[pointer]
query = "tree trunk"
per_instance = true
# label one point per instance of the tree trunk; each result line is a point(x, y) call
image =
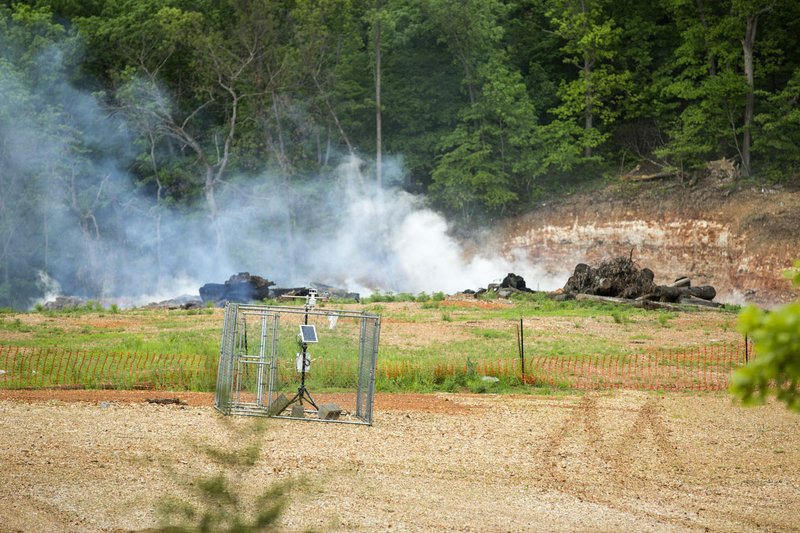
point(712, 63)
point(378, 135)
point(588, 111)
point(326, 100)
point(588, 117)
point(209, 190)
point(747, 47)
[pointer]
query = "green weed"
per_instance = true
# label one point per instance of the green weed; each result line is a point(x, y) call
point(620, 317)
point(664, 318)
point(214, 503)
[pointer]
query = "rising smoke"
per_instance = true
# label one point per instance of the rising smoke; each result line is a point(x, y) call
point(73, 217)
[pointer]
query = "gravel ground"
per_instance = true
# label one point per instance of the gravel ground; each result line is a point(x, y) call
point(103, 460)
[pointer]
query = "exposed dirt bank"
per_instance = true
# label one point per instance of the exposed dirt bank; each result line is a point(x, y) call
point(739, 242)
point(444, 462)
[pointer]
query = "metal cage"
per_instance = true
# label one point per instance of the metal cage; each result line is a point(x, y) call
point(266, 368)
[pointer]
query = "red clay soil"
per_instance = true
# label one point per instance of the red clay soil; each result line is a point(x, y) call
point(426, 403)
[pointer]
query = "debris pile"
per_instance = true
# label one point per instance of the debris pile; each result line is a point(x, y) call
point(324, 292)
point(511, 284)
point(620, 280)
point(618, 277)
point(245, 288)
point(65, 302)
point(242, 288)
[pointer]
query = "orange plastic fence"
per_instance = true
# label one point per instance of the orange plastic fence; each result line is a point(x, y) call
point(35, 368)
point(695, 369)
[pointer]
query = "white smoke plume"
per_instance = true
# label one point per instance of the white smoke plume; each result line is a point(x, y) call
point(73, 212)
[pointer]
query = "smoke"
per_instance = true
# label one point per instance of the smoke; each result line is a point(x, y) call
point(49, 287)
point(389, 240)
point(73, 217)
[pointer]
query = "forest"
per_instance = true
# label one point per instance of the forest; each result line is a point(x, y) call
point(129, 128)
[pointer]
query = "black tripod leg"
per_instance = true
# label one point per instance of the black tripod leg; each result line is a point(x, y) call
point(310, 399)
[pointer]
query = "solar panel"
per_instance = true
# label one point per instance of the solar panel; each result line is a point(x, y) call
point(308, 333)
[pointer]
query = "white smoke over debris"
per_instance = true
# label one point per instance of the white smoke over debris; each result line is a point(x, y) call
point(73, 217)
point(388, 240)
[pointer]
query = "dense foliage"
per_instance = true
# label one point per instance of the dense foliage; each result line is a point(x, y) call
point(489, 103)
point(776, 367)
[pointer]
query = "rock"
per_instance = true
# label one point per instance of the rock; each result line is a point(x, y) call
point(490, 379)
point(277, 405)
point(298, 411)
point(329, 411)
point(514, 281)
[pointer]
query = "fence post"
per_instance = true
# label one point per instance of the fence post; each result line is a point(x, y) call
point(746, 350)
point(521, 347)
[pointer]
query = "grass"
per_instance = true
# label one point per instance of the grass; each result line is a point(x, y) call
point(427, 343)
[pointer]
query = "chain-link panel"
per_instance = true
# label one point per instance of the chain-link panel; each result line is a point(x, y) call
point(300, 362)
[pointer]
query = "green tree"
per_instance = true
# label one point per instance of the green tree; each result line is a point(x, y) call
point(487, 159)
point(779, 123)
point(45, 158)
point(420, 89)
point(733, 71)
point(776, 368)
point(591, 44)
point(185, 79)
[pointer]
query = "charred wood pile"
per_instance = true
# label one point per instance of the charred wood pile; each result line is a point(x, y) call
point(245, 288)
point(618, 277)
point(511, 284)
point(620, 280)
point(242, 288)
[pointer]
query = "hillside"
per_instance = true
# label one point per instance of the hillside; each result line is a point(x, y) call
point(739, 240)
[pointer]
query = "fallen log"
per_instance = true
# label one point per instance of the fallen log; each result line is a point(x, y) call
point(670, 293)
point(705, 292)
point(654, 176)
point(650, 304)
point(581, 297)
point(693, 300)
point(640, 302)
point(665, 293)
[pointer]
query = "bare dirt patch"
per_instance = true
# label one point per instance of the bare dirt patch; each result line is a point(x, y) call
point(102, 460)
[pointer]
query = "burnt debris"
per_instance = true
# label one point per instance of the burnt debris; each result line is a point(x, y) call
point(620, 279)
point(245, 288)
point(242, 288)
point(511, 284)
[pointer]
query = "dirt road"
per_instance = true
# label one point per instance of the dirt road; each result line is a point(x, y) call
point(443, 462)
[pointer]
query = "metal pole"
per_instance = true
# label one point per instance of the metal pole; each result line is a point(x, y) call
point(521, 346)
point(746, 350)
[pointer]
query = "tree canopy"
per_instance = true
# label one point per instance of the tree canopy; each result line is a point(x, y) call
point(776, 368)
point(488, 103)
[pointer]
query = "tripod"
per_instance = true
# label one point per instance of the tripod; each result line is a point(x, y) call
point(302, 392)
